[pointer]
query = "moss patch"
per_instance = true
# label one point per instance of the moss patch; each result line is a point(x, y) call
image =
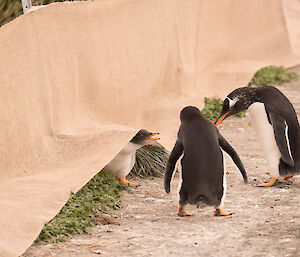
point(100, 194)
point(150, 161)
point(272, 75)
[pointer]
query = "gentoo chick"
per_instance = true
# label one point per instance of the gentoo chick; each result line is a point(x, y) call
point(123, 162)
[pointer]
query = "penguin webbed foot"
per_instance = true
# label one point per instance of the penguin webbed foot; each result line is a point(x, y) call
point(286, 177)
point(272, 182)
point(132, 184)
point(183, 213)
point(126, 182)
point(221, 212)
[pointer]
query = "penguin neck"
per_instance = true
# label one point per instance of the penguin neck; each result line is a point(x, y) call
point(259, 95)
point(253, 96)
point(131, 148)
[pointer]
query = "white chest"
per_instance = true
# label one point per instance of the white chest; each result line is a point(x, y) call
point(265, 135)
point(123, 162)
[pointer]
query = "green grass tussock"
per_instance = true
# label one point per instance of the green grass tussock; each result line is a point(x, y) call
point(150, 161)
point(272, 75)
point(100, 194)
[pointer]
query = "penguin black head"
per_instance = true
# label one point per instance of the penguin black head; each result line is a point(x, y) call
point(189, 113)
point(144, 137)
point(237, 101)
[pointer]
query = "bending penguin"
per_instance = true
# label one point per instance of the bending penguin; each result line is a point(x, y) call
point(276, 125)
point(123, 162)
point(201, 163)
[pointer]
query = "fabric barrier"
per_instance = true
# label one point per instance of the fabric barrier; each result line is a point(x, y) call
point(79, 79)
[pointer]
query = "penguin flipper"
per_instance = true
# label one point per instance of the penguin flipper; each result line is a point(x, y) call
point(233, 154)
point(279, 127)
point(174, 156)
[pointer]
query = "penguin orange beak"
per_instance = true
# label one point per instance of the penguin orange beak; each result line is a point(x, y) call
point(220, 119)
point(152, 136)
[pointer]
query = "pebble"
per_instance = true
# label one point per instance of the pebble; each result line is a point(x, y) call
point(97, 251)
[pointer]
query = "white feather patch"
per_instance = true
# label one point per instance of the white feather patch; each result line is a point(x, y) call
point(287, 139)
point(232, 102)
point(266, 138)
point(179, 167)
point(224, 184)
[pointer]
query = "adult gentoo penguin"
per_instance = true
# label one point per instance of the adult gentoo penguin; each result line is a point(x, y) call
point(123, 162)
point(276, 125)
point(198, 152)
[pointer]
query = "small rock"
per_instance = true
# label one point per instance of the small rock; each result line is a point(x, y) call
point(96, 251)
point(154, 220)
point(109, 231)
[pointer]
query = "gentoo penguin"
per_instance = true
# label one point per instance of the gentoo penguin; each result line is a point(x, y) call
point(200, 158)
point(123, 162)
point(276, 125)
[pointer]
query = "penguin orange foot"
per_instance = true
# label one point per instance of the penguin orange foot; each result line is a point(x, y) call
point(183, 213)
point(272, 182)
point(125, 181)
point(221, 212)
point(286, 177)
point(282, 178)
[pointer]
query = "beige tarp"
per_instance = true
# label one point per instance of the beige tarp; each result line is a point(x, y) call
point(291, 10)
point(78, 79)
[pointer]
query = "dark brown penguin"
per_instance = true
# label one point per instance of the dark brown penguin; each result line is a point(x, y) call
point(200, 158)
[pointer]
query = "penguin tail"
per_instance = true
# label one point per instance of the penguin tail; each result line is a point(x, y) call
point(201, 202)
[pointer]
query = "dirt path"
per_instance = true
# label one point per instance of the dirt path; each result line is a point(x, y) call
point(266, 221)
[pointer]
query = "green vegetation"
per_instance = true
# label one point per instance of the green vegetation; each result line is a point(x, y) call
point(99, 195)
point(272, 75)
point(11, 9)
point(213, 108)
point(150, 161)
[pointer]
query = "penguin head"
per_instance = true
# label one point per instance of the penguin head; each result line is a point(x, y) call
point(144, 137)
point(237, 101)
point(189, 113)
